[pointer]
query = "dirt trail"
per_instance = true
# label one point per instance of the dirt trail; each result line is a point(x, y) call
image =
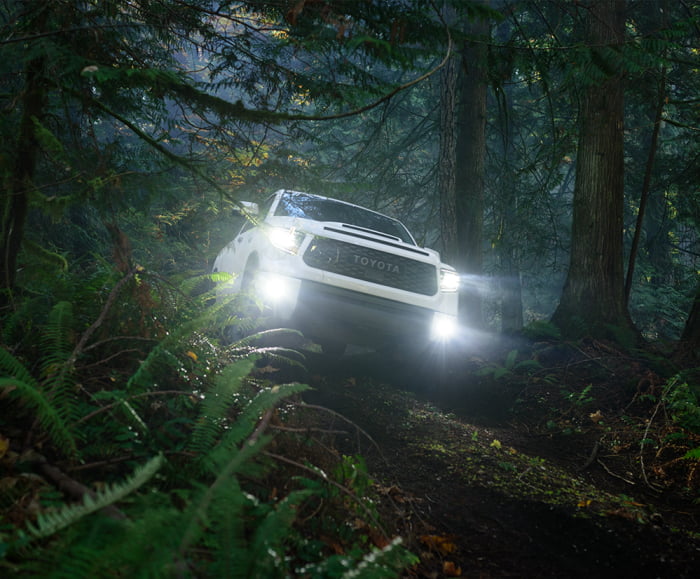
point(477, 492)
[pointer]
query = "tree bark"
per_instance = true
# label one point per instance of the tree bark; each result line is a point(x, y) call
point(688, 352)
point(646, 186)
point(15, 194)
point(447, 161)
point(471, 154)
point(593, 297)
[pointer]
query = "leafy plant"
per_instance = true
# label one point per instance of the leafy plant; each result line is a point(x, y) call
point(510, 366)
point(200, 511)
point(541, 330)
point(683, 404)
point(579, 398)
point(49, 395)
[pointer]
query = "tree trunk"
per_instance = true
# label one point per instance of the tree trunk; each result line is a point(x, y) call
point(447, 160)
point(15, 194)
point(471, 153)
point(688, 352)
point(511, 294)
point(593, 298)
point(646, 185)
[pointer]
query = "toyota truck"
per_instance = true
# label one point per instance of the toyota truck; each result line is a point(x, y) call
point(340, 273)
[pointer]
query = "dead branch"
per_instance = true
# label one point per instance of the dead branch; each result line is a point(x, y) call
point(348, 421)
point(324, 476)
point(142, 395)
point(70, 487)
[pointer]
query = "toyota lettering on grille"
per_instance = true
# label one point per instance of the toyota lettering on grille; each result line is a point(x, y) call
point(377, 264)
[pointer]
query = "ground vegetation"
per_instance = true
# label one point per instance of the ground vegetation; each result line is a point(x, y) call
point(136, 438)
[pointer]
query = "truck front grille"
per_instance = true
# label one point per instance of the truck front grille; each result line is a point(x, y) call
point(371, 265)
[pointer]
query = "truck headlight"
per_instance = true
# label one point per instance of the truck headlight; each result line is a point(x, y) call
point(449, 280)
point(444, 327)
point(285, 239)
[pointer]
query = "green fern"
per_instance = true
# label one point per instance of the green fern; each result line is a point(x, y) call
point(57, 374)
point(27, 390)
point(269, 543)
point(266, 399)
point(50, 420)
point(49, 395)
point(44, 256)
point(202, 518)
point(229, 457)
point(386, 562)
point(11, 366)
point(49, 523)
point(216, 403)
point(201, 513)
point(165, 348)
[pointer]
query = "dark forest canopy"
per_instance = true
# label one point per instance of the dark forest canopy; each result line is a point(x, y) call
point(549, 149)
point(119, 111)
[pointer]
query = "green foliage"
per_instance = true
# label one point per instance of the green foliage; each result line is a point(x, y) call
point(510, 367)
point(581, 398)
point(693, 454)
point(201, 512)
point(659, 312)
point(49, 396)
point(386, 562)
point(215, 404)
point(683, 403)
point(352, 473)
point(219, 527)
point(54, 521)
point(541, 330)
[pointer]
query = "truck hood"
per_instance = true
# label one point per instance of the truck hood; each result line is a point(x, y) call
point(359, 235)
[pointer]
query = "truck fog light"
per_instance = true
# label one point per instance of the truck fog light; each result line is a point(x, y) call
point(444, 327)
point(273, 288)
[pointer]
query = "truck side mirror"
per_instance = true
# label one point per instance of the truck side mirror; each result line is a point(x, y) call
point(247, 208)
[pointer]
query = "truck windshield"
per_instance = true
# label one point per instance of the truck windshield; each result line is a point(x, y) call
point(321, 209)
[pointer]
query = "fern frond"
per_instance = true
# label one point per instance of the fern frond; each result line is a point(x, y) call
point(198, 516)
point(193, 284)
point(248, 419)
point(386, 562)
point(57, 375)
point(44, 256)
point(45, 410)
point(231, 553)
point(282, 357)
point(267, 547)
point(165, 347)
point(226, 459)
point(11, 366)
point(54, 341)
point(269, 336)
point(215, 404)
point(49, 523)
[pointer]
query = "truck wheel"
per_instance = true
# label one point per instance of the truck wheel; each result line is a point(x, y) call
point(249, 275)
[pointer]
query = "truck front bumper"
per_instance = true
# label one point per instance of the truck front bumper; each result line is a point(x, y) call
point(326, 312)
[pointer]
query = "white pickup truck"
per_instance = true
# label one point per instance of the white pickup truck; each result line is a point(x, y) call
point(340, 273)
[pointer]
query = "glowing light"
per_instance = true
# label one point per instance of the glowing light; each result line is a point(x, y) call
point(444, 327)
point(449, 280)
point(273, 288)
point(287, 240)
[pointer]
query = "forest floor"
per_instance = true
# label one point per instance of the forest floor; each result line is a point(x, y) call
point(521, 459)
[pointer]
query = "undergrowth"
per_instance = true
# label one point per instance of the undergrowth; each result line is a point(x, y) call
point(130, 401)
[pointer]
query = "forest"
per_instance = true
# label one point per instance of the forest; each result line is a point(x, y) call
point(548, 149)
